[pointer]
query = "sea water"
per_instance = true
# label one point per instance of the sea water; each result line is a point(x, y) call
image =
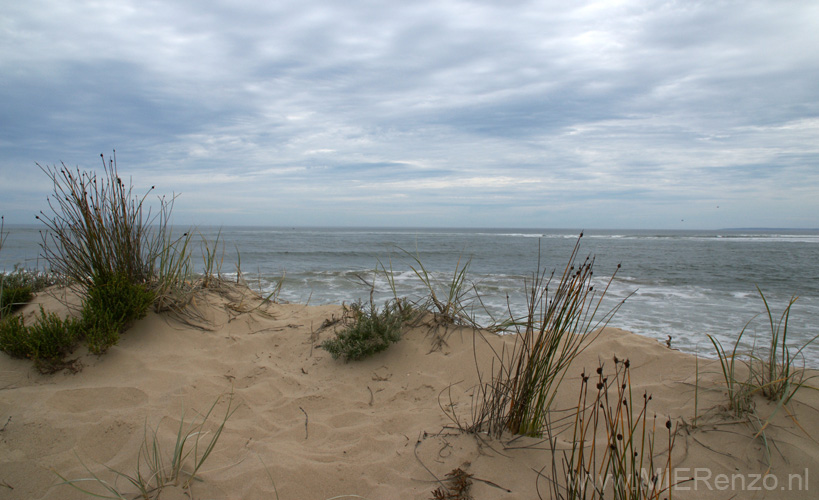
point(681, 285)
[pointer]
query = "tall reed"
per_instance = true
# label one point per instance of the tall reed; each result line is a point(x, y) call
point(559, 324)
point(613, 451)
point(3, 233)
point(3, 236)
point(98, 230)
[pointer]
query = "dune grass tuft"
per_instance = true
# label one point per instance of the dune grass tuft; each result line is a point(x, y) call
point(447, 299)
point(155, 469)
point(772, 372)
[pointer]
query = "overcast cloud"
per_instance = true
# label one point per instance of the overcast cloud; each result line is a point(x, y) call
point(631, 114)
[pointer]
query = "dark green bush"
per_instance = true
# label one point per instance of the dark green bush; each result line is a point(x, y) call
point(111, 306)
point(370, 332)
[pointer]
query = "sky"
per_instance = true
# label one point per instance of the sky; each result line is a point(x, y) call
point(546, 114)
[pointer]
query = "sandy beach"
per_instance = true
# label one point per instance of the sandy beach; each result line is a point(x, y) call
point(306, 426)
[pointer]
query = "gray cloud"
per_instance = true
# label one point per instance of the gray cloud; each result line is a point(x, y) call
point(538, 113)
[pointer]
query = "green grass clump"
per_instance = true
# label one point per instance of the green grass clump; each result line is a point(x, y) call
point(778, 376)
point(447, 299)
point(772, 373)
point(370, 331)
point(99, 231)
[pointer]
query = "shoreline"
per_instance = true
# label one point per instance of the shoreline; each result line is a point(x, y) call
point(685, 288)
point(376, 428)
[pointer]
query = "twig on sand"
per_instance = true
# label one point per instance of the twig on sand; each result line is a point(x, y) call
point(306, 419)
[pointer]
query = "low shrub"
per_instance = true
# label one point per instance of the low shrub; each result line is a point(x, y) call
point(46, 342)
point(51, 339)
point(107, 310)
point(370, 332)
point(12, 297)
point(111, 306)
point(14, 337)
point(19, 286)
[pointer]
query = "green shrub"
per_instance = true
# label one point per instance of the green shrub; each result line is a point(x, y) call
point(109, 307)
point(19, 286)
point(46, 342)
point(14, 337)
point(107, 310)
point(370, 332)
point(13, 296)
point(51, 339)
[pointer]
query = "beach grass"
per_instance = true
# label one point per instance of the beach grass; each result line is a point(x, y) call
point(739, 388)
point(757, 372)
point(777, 375)
point(155, 469)
point(446, 299)
point(772, 372)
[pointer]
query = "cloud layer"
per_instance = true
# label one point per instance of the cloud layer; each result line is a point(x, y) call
point(624, 114)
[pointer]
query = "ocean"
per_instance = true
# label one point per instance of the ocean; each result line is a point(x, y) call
point(678, 284)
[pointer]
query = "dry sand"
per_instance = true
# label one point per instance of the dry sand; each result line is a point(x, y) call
point(375, 429)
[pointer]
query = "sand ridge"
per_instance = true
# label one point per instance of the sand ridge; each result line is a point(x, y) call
point(322, 428)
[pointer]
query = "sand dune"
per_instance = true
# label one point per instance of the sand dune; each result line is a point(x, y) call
point(321, 428)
